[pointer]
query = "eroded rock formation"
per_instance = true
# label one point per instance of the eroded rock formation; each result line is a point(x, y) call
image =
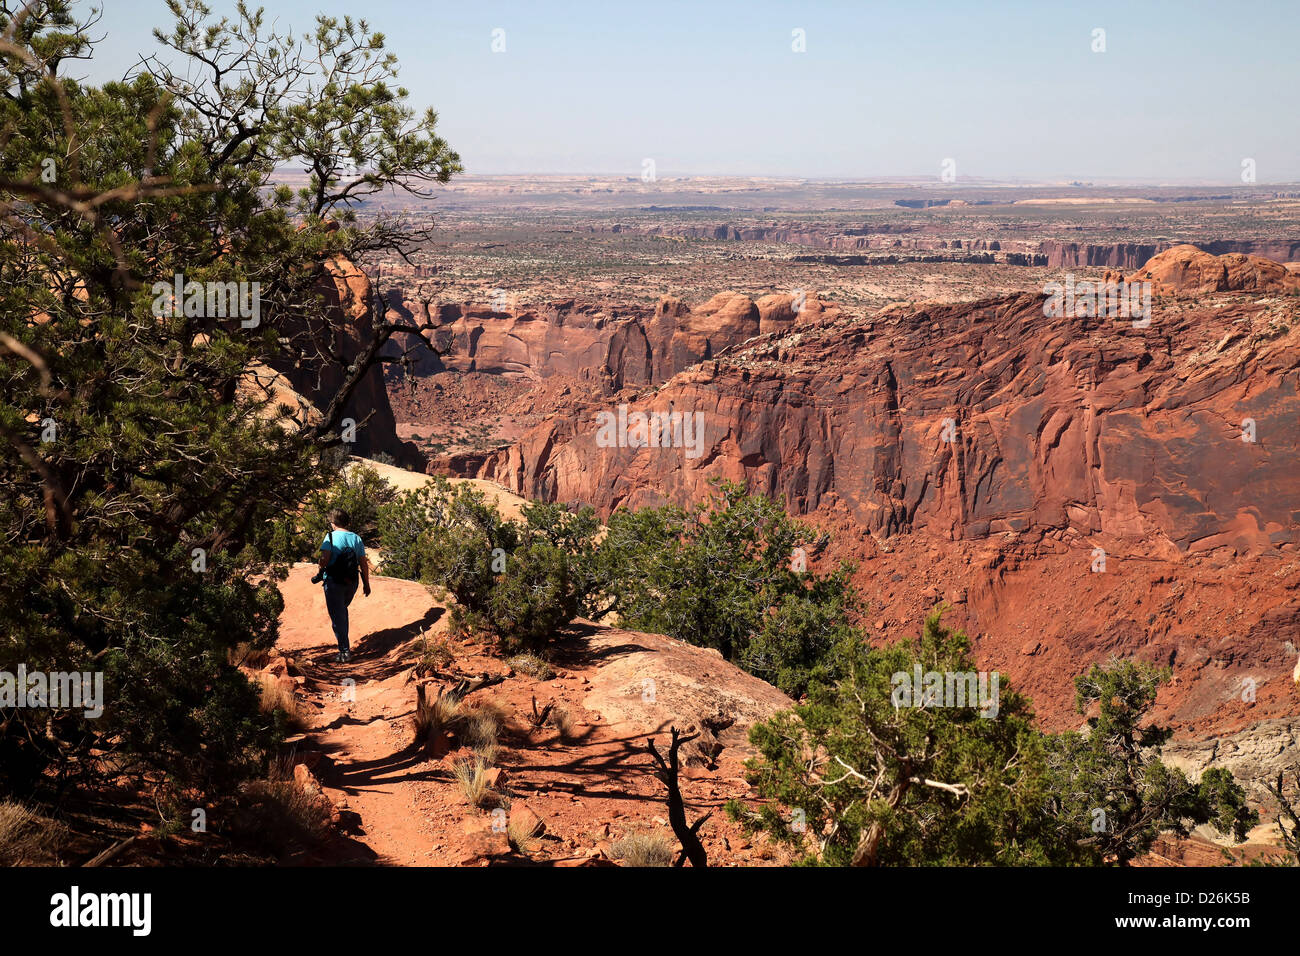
point(971, 419)
point(329, 344)
point(1187, 271)
point(1076, 487)
point(583, 340)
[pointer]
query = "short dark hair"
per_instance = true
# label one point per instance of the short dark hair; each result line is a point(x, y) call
point(340, 518)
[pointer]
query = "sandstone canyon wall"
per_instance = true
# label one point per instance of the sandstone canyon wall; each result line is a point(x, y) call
point(332, 341)
point(987, 454)
point(1070, 423)
point(612, 347)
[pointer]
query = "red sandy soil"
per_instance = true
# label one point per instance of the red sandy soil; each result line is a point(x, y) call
point(399, 805)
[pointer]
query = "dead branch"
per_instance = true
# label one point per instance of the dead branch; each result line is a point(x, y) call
point(468, 685)
point(539, 719)
point(113, 851)
point(687, 836)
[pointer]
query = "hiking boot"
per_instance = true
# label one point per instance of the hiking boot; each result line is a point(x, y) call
point(347, 656)
point(341, 658)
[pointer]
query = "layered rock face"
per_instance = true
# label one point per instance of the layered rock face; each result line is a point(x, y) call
point(332, 341)
point(1077, 487)
point(971, 419)
point(585, 341)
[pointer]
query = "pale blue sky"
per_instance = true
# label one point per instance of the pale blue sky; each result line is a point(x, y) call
point(1010, 90)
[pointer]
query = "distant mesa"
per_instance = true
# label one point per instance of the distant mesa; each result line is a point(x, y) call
point(930, 203)
point(925, 241)
point(684, 209)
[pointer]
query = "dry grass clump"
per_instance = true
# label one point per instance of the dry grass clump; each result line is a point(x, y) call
point(27, 838)
point(644, 848)
point(244, 654)
point(532, 665)
point(561, 720)
point(472, 779)
point(477, 725)
point(433, 715)
point(278, 813)
point(523, 838)
point(277, 697)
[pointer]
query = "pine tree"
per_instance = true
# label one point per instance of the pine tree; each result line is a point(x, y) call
point(864, 775)
point(148, 484)
point(1110, 783)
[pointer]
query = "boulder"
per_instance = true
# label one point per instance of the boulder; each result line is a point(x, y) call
point(483, 842)
point(524, 820)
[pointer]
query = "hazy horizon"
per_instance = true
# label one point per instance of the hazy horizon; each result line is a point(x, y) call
point(1182, 94)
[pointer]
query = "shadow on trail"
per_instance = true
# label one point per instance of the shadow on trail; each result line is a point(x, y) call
point(372, 654)
point(357, 776)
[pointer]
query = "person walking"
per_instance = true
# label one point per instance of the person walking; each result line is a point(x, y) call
point(342, 561)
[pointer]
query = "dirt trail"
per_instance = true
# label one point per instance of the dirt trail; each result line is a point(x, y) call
point(401, 806)
point(375, 771)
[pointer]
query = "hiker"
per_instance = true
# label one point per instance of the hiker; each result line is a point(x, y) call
point(342, 559)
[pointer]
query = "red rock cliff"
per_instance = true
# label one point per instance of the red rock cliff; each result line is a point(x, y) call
point(330, 342)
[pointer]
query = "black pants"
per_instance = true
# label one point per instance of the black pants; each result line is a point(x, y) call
point(337, 598)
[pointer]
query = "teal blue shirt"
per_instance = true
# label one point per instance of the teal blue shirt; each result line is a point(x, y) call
point(337, 541)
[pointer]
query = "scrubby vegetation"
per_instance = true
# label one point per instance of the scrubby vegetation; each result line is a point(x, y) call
point(729, 574)
point(858, 775)
point(733, 574)
point(276, 813)
point(853, 778)
point(520, 582)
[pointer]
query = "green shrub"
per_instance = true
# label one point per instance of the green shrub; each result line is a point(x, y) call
point(355, 488)
point(724, 575)
point(856, 775)
point(861, 775)
point(518, 581)
point(533, 599)
point(1110, 781)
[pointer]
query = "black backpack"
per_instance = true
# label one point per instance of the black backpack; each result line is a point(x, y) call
point(344, 566)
